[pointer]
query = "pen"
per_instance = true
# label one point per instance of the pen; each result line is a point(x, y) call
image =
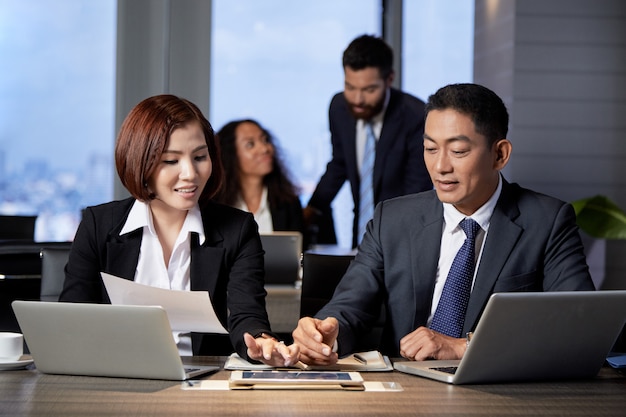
point(360, 358)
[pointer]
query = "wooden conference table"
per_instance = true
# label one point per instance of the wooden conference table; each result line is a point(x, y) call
point(31, 393)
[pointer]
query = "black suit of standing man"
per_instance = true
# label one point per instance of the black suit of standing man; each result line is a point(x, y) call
point(398, 124)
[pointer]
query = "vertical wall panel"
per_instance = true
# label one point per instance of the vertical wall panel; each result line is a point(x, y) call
point(163, 46)
point(565, 92)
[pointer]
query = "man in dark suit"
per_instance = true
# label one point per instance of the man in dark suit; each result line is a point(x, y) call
point(526, 241)
point(397, 124)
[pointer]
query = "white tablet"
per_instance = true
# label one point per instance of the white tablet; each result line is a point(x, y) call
point(270, 379)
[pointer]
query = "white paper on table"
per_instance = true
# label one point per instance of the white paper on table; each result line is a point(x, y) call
point(187, 311)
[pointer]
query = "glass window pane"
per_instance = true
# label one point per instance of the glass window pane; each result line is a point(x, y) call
point(279, 62)
point(56, 110)
point(438, 45)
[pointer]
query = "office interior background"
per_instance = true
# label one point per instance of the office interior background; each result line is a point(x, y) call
point(72, 69)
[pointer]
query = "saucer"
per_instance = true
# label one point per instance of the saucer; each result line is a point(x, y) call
point(19, 364)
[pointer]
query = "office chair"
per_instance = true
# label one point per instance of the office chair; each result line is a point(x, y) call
point(53, 261)
point(320, 275)
point(17, 227)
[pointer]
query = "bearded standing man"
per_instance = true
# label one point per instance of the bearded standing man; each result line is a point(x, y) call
point(394, 163)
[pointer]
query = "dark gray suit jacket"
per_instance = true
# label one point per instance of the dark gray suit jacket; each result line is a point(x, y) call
point(532, 245)
point(399, 167)
point(229, 265)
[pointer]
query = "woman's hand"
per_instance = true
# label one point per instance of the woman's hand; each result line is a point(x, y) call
point(271, 352)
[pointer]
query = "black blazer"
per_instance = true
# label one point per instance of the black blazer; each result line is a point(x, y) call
point(532, 245)
point(229, 265)
point(399, 167)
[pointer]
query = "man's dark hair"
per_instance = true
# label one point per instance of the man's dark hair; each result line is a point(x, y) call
point(369, 51)
point(482, 105)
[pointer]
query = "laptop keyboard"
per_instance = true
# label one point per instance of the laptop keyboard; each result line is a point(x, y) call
point(447, 369)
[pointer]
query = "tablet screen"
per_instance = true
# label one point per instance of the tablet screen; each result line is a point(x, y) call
point(300, 376)
point(287, 378)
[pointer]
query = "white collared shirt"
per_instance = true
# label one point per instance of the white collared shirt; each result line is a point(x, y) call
point(151, 269)
point(453, 236)
point(377, 127)
point(263, 215)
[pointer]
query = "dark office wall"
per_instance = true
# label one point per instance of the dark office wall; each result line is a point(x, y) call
point(560, 65)
point(163, 46)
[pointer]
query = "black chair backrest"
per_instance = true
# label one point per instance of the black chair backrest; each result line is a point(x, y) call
point(17, 227)
point(320, 275)
point(321, 272)
point(53, 261)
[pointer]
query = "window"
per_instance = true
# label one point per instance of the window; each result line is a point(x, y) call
point(279, 62)
point(438, 45)
point(56, 110)
point(275, 61)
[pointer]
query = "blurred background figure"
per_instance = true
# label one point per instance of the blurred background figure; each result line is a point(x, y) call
point(376, 135)
point(257, 180)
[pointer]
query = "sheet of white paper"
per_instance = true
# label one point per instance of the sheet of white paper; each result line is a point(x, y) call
point(188, 311)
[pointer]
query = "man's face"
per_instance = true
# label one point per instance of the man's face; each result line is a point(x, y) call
point(364, 91)
point(463, 168)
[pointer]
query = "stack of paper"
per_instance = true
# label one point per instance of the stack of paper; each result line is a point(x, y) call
point(371, 361)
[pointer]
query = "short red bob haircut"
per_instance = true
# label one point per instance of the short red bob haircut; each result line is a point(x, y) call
point(143, 138)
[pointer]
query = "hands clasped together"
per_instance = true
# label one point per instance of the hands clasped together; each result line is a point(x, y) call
point(316, 339)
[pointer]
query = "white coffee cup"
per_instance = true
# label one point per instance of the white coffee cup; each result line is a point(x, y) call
point(11, 346)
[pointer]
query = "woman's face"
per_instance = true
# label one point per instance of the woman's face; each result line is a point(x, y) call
point(183, 171)
point(254, 152)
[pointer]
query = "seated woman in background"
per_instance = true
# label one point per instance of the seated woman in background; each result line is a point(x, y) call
point(256, 180)
point(170, 235)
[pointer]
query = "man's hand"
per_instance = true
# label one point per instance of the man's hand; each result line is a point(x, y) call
point(316, 339)
point(271, 351)
point(425, 343)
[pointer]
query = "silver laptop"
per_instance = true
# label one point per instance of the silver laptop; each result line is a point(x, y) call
point(102, 340)
point(535, 336)
point(282, 257)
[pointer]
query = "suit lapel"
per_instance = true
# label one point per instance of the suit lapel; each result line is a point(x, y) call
point(425, 241)
point(501, 239)
point(388, 134)
point(123, 255)
point(347, 135)
point(207, 260)
point(123, 251)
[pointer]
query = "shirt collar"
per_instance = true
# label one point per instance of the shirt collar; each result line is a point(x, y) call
point(452, 217)
point(380, 116)
point(140, 216)
point(241, 204)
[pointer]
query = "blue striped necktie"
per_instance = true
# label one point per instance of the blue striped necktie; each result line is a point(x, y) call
point(366, 192)
point(450, 314)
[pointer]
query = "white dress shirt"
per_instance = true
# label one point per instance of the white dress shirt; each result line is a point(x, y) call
point(151, 269)
point(263, 215)
point(452, 239)
point(361, 133)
